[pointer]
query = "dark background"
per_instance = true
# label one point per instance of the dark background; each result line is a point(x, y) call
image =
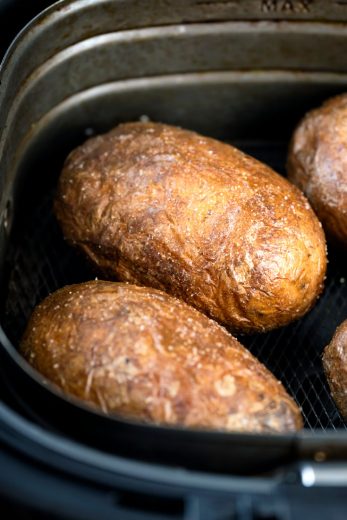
point(14, 15)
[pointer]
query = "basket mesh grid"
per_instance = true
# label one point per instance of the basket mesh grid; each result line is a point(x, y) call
point(41, 262)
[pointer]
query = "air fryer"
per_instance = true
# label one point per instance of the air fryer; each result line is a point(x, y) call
point(245, 73)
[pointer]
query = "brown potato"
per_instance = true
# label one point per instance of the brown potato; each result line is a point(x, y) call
point(335, 367)
point(317, 164)
point(140, 353)
point(159, 206)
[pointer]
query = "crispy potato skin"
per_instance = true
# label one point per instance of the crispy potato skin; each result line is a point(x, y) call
point(335, 367)
point(138, 352)
point(159, 206)
point(317, 164)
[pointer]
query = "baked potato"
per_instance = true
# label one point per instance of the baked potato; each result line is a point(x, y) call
point(317, 164)
point(335, 367)
point(167, 208)
point(141, 353)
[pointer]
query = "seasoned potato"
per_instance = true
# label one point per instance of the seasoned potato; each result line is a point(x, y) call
point(317, 163)
point(140, 353)
point(335, 367)
point(164, 207)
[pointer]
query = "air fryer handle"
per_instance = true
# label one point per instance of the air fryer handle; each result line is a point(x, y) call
point(309, 490)
point(324, 475)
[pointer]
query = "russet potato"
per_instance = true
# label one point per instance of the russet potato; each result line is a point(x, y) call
point(140, 353)
point(163, 207)
point(335, 367)
point(317, 164)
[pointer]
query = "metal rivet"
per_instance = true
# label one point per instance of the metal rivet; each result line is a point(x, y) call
point(89, 131)
point(320, 456)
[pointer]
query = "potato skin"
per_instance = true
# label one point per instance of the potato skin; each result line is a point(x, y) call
point(163, 207)
point(138, 352)
point(335, 367)
point(317, 164)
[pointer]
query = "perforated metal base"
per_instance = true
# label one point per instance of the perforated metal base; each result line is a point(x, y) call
point(40, 262)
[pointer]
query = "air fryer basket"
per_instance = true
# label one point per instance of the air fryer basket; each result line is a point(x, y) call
point(83, 67)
